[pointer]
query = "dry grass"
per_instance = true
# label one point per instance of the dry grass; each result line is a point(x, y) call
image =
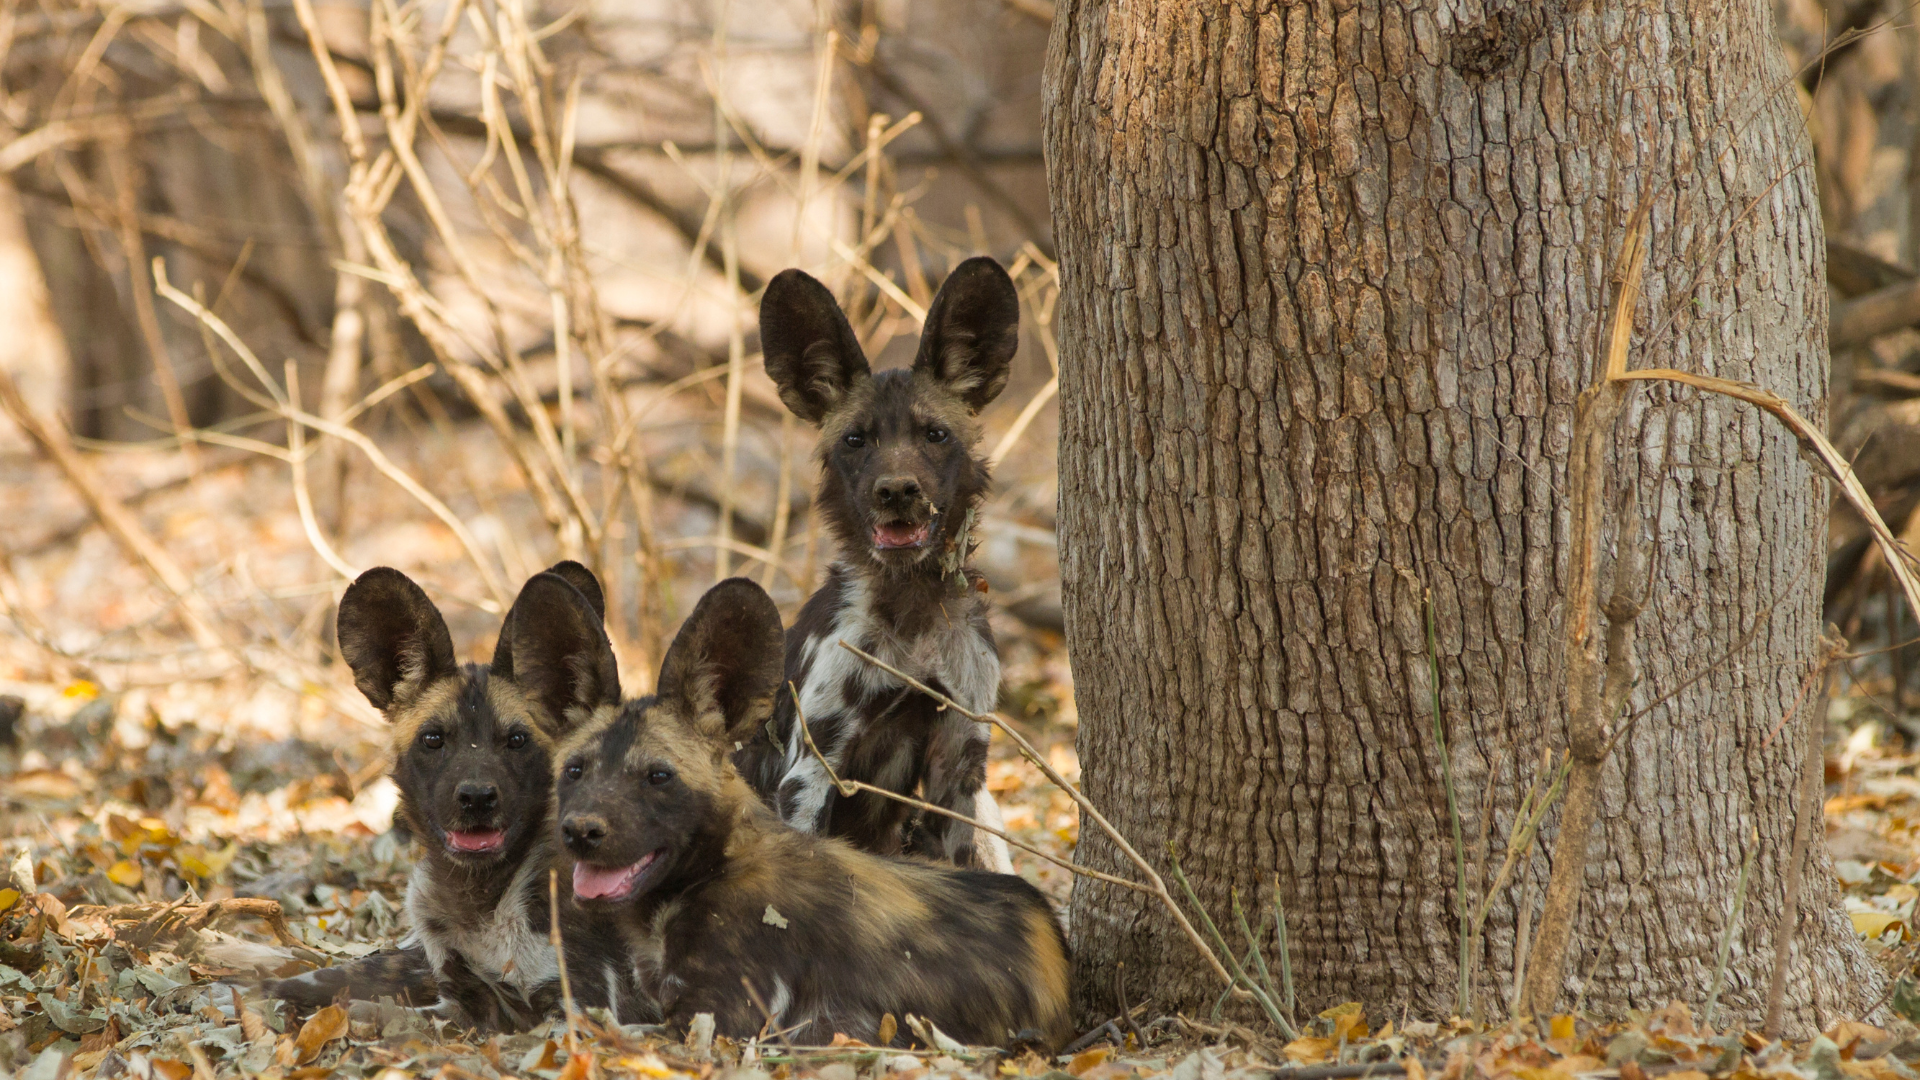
point(650, 448)
point(534, 351)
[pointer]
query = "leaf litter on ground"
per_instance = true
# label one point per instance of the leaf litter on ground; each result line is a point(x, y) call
point(135, 931)
point(156, 870)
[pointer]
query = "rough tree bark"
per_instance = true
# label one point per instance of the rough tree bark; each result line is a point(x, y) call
point(1334, 273)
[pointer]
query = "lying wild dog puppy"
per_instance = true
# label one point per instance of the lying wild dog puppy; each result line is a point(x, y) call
point(472, 759)
point(571, 635)
point(899, 488)
point(708, 887)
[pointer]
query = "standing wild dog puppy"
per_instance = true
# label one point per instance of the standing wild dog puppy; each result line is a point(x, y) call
point(899, 488)
point(472, 750)
point(709, 888)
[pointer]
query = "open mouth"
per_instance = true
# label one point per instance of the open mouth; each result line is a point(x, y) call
point(611, 883)
point(901, 534)
point(476, 841)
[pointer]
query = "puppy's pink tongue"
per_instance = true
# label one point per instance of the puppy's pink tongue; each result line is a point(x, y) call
point(600, 882)
point(477, 840)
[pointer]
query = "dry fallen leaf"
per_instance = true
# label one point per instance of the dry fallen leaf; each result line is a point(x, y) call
point(644, 1065)
point(251, 1025)
point(203, 863)
point(1876, 1069)
point(1871, 924)
point(1676, 1018)
point(1308, 1051)
point(55, 913)
point(1561, 1027)
point(889, 1027)
point(1848, 1032)
point(576, 1068)
point(1087, 1059)
point(104, 1038)
point(125, 872)
point(48, 784)
point(169, 1069)
point(774, 918)
point(320, 1029)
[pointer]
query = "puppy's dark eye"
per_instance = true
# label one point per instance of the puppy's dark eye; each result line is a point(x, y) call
point(936, 434)
point(516, 740)
point(659, 776)
point(433, 740)
point(855, 440)
point(574, 771)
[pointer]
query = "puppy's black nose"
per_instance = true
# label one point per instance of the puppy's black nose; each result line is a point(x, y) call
point(583, 832)
point(902, 491)
point(477, 797)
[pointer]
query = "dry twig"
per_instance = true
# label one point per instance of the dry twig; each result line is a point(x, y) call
point(51, 437)
point(847, 788)
point(143, 923)
point(1155, 883)
point(1595, 693)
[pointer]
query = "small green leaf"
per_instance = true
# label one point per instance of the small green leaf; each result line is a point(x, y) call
point(1906, 999)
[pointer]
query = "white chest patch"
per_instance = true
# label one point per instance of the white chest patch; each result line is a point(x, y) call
point(500, 948)
point(951, 655)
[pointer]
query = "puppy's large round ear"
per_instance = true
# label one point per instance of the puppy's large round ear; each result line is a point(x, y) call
point(582, 578)
point(972, 332)
point(554, 646)
point(727, 661)
point(811, 352)
point(577, 576)
point(392, 637)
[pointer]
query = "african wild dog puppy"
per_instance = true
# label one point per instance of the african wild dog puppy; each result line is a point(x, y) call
point(708, 887)
point(899, 488)
point(472, 759)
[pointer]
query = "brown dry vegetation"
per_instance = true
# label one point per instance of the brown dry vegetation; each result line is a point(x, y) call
point(504, 316)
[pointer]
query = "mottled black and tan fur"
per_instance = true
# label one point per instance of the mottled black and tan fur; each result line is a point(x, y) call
point(900, 484)
point(709, 887)
point(472, 751)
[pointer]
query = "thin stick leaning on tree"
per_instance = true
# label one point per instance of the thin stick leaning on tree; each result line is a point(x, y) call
point(1156, 885)
point(847, 788)
point(1596, 689)
point(1598, 406)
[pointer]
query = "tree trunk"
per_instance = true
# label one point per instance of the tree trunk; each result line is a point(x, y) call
point(1334, 274)
point(210, 189)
